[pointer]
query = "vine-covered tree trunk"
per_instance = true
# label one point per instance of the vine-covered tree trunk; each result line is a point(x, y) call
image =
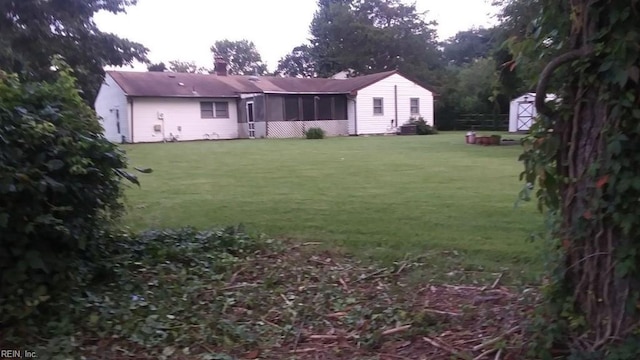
point(591, 176)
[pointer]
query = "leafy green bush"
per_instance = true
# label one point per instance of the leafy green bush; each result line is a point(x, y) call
point(60, 185)
point(314, 133)
point(153, 285)
point(422, 127)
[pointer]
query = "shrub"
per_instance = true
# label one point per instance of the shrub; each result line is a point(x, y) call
point(60, 185)
point(314, 133)
point(422, 127)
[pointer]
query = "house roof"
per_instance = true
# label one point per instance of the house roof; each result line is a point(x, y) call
point(165, 84)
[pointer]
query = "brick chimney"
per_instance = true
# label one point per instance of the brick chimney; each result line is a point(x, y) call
point(220, 66)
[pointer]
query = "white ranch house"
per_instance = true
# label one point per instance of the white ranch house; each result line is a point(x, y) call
point(160, 106)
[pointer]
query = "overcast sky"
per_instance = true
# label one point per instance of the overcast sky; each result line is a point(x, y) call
point(186, 29)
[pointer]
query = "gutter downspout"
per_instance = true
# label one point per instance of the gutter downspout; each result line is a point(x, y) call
point(395, 102)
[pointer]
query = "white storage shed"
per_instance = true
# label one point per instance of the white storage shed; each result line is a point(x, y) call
point(522, 112)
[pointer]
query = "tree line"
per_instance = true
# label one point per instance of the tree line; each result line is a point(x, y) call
point(469, 72)
point(361, 37)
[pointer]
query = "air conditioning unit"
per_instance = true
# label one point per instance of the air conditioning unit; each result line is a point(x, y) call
point(160, 115)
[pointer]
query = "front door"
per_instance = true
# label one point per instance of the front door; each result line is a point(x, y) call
point(251, 121)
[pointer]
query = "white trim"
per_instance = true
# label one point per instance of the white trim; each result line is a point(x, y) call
point(308, 92)
point(246, 96)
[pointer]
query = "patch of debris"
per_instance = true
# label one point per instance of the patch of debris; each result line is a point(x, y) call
point(299, 302)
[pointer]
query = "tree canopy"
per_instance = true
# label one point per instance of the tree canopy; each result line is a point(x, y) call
point(33, 31)
point(159, 67)
point(373, 36)
point(186, 67)
point(241, 56)
point(469, 45)
point(298, 63)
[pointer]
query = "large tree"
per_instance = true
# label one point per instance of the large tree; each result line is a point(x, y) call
point(468, 45)
point(373, 36)
point(241, 56)
point(518, 19)
point(186, 67)
point(585, 155)
point(159, 67)
point(32, 31)
point(298, 63)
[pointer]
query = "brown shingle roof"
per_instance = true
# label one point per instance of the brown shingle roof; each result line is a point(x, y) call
point(165, 84)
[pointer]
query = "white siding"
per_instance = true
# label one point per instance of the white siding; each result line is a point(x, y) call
point(368, 123)
point(111, 107)
point(259, 127)
point(181, 118)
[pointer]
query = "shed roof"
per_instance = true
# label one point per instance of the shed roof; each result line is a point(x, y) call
point(532, 96)
point(165, 84)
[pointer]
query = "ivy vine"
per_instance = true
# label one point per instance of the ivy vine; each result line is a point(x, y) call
point(583, 154)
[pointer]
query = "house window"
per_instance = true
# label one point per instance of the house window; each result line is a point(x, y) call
point(325, 108)
point(415, 106)
point(308, 107)
point(210, 109)
point(222, 109)
point(291, 108)
point(340, 108)
point(378, 106)
point(315, 107)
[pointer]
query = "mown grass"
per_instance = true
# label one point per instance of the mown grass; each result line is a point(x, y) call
point(381, 198)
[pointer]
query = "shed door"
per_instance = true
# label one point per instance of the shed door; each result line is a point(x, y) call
point(526, 113)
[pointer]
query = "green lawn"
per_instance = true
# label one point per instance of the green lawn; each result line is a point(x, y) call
point(377, 197)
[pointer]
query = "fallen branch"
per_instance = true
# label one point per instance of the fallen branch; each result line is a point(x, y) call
point(498, 354)
point(486, 353)
point(383, 355)
point(311, 243)
point(396, 330)
point(495, 283)
point(404, 264)
point(442, 312)
point(324, 337)
point(287, 301)
point(237, 286)
point(270, 323)
point(370, 275)
point(496, 339)
point(320, 261)
point(461, 287)
point(443, 346)
point(233, 278)
point(480, 299)
point(303, 351)
point(344, 284)
point(337, 315)
point(298, 335)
